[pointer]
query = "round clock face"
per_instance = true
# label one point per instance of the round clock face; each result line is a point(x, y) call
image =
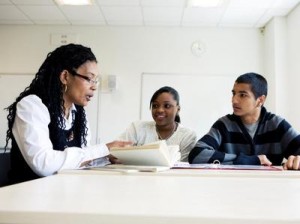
point(198, 48)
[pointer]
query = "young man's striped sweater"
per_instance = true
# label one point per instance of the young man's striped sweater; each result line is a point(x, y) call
point(229, 142)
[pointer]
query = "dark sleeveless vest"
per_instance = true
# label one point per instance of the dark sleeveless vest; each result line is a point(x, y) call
point(20, 171)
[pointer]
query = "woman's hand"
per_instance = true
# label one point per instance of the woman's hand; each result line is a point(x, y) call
point(113, 159)
point(118, 144)
point(85, 163)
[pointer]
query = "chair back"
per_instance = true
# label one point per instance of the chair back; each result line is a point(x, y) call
point(4, 167)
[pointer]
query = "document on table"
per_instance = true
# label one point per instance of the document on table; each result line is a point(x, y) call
point(183, 165)
point(130, 168)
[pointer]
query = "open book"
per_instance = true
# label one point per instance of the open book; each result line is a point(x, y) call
point(152, 154)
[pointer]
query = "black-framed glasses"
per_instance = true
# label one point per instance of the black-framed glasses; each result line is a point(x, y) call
point(94, 82)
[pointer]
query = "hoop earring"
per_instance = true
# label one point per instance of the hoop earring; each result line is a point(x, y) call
point(66, 88)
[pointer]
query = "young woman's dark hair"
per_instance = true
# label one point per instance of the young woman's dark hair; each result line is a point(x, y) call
point(173, 92)
point(48, 87)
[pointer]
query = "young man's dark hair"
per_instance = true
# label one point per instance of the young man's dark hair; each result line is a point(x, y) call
point(259, 84)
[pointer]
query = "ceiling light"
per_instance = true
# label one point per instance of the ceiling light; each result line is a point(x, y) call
point(204, 3)
point(74, 2)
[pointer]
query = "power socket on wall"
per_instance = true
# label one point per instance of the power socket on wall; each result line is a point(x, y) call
point(108, 83)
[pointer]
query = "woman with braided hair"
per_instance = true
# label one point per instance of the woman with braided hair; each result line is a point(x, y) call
point(47, 124)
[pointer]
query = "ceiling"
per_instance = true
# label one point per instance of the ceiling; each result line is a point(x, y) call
point(232, 13)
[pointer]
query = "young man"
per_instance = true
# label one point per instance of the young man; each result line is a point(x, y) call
point(251, 135)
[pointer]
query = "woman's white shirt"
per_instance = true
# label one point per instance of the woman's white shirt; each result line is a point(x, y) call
point(31, 132)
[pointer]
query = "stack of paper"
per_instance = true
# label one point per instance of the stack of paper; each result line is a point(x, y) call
point(153, 154)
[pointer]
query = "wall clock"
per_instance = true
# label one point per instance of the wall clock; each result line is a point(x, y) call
point(198, 48)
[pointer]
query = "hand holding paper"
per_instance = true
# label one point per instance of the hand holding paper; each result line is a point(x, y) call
point(152, 154)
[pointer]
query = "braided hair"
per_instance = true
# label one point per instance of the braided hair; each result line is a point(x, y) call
point(48, 87)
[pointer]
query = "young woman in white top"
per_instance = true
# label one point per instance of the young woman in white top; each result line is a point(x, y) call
point(165, 108)
point(47, 123)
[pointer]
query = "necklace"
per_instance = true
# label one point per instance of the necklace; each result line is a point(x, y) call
point(166, 138)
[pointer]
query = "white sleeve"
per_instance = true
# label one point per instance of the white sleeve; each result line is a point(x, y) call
point(31, 133)
point(140, 133)
point(186, 139)
point(188, 142)
point(130, 134)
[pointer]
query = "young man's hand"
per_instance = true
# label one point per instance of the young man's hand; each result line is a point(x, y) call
point(293, 163)
point(264, 160)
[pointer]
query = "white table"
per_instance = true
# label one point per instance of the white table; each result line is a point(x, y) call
point(175, 196)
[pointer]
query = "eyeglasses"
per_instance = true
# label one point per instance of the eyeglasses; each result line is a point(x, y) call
point(94, 82)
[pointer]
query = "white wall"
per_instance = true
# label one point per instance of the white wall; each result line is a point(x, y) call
point(282, 67)
point(275, 66)
point(130, 51)
point(293, 75)
point(168, 51)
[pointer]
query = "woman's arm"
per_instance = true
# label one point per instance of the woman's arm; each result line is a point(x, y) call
point(31, 133)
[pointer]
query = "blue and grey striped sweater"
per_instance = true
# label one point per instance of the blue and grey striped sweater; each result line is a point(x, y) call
point(229, 142)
